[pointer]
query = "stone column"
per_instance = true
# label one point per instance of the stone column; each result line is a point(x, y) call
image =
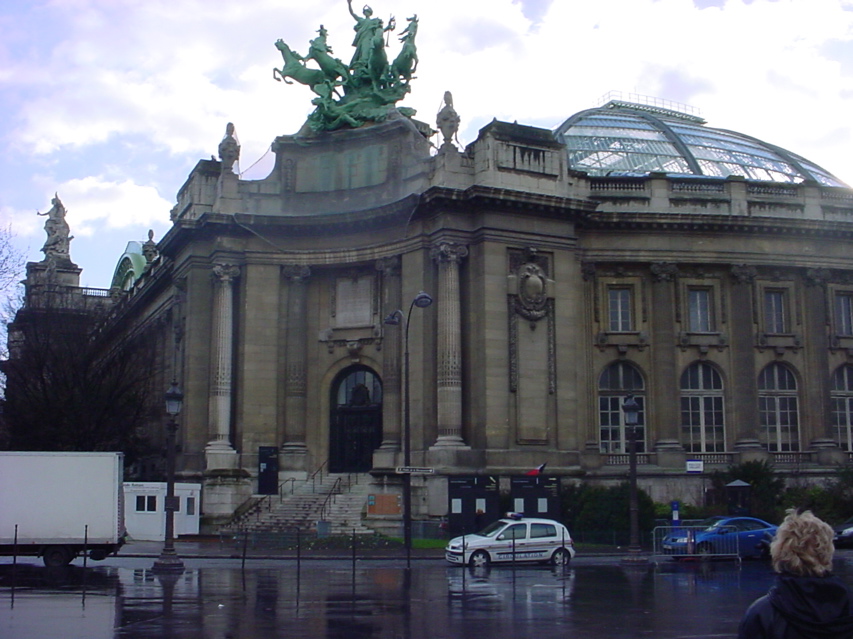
point(448, 255)
point(392, 406)
point(294, 448)
point(818, 412)
point(219, 453)
point(665, 407)
point(744, 386)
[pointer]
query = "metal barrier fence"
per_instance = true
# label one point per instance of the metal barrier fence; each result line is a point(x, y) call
point(696, 542)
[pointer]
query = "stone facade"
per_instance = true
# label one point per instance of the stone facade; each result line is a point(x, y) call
point(718, 303)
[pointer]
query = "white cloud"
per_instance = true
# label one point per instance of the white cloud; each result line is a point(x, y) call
point(92, 203)
point(104, 97)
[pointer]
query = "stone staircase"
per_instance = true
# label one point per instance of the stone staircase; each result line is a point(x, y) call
point(338, 499)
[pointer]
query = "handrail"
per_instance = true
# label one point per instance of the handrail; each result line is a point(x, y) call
point(334, 490)
point(292, 481)
point(313, 478)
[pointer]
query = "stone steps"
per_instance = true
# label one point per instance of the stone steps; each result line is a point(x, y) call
point(337, 499)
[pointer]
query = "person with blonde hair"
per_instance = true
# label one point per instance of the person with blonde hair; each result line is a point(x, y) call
point(807, 600)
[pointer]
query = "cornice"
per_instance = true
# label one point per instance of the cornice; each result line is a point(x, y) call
point(715, 224)
point(501, 198)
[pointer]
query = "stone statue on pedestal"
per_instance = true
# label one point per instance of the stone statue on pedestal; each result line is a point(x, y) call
point(447, 121)
point(57, 245)
point(229, 148)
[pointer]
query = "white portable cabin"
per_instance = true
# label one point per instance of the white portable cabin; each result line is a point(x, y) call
point(145, 514)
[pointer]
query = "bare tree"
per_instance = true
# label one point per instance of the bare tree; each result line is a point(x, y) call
point(12, 261)
point(65, 392)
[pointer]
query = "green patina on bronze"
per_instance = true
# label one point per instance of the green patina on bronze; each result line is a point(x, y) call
point(365, 90)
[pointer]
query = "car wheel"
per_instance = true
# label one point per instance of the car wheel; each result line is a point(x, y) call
point(705, 549)
point(561, 557)
point(479, 559)
point(56, 556)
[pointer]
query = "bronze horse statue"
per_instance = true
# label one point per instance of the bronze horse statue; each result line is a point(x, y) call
point(406, 62)
point(295, 68)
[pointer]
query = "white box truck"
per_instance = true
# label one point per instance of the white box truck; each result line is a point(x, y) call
point(58, 505)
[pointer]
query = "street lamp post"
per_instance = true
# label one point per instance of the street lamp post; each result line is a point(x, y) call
point(168, 561)
point(631, 409)
point(421, 300)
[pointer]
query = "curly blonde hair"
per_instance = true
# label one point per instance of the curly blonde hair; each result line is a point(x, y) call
point(803, 545)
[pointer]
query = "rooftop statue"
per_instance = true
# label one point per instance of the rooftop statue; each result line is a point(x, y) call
point(57, 245)
point(447, 121)
point(229, 148)
point(364, 91)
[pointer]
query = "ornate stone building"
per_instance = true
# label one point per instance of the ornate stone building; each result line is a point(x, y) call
point(634, 250)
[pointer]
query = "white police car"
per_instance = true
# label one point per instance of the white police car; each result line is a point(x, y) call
point(513, 538)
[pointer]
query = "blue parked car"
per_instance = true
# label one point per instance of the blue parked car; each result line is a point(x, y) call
point(741, 536)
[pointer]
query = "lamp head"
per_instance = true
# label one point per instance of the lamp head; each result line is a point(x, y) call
point(632, 411)
point(394, 318)
point(422, 300)
point(174, 399)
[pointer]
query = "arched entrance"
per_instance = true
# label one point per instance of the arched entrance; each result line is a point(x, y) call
point(355, 430)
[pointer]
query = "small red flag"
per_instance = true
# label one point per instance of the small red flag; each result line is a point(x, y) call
point(536, 471)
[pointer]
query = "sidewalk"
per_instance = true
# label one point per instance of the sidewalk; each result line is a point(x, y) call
point(212, 548)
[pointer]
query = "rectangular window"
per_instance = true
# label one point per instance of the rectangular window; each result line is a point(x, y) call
point(775, 311)
point(842, 421)
point(702, 424)
point(613, 433)
point(146, 503)
point(844, 314)
point(191, 505)
point(699, 310)
point(619, 309)
point(779, 423)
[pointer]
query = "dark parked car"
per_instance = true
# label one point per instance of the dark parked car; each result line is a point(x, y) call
point(844, 534)
point(736, 536)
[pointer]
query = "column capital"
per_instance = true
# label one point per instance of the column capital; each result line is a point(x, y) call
point(296, 272)
point(448, 252)
point(743, 273)
point(664, 271)
point(225, 272)
point(389, 266)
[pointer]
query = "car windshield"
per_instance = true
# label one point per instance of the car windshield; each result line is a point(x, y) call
point(492, 529)
point(713, 524)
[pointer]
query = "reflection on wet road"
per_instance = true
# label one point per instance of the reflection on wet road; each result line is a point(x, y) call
point(376, 599)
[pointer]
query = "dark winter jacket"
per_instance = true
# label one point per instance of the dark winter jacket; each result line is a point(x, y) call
point(801, 608)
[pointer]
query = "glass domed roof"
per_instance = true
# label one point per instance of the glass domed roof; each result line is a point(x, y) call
point(627, 138)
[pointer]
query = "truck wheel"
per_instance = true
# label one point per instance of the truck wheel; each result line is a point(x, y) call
point(56, 556)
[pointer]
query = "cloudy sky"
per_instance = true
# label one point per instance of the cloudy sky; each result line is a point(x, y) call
point(110, 103)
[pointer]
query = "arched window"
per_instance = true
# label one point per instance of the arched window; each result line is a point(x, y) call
point(360, 387)
point(778, 409)
point(702, 415)
point(617, 382)
point(842, 406)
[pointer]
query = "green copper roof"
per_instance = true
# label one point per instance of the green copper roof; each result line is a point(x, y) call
point(624, 138)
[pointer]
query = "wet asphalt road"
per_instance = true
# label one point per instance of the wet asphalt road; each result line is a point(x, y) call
point(218, 598)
